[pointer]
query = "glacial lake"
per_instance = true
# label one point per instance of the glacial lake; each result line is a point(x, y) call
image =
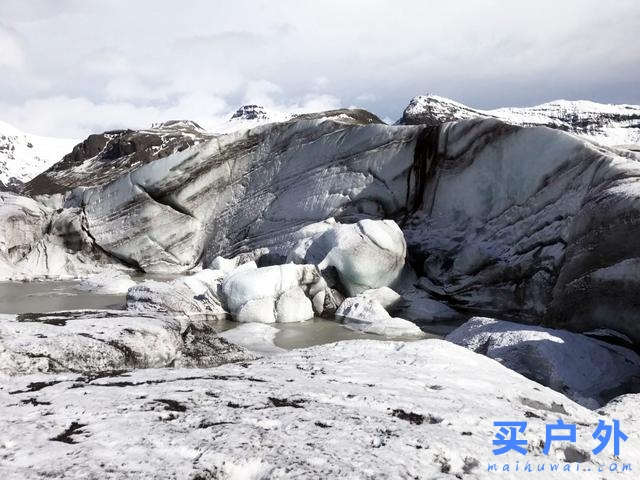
point(50, 296)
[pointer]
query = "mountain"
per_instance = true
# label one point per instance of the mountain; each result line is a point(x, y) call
point(103, 157)
point(23, 156)
point(250, 116)
point(106, 156)
point(603, 123)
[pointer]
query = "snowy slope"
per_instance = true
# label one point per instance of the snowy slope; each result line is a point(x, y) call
point(250, 116)
point(603, 123)
point(348, 410)
point(23, 156)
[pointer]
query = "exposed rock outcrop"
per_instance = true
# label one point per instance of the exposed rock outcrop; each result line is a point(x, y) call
point(250, 112)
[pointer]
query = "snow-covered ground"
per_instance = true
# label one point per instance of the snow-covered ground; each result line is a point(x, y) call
point(348, 410)
point(23, 156)
point(250, 116)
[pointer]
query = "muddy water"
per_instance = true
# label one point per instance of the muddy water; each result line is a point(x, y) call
point(49, 296)
point(317, 332)
point(26, 297)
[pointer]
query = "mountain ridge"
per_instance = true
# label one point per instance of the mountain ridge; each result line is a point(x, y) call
point(28, 162)
point(608, 124)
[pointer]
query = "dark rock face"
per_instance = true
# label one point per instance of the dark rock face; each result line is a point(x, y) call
point(12, 185)
point(104, 157)
point(257, 112)
point(355, 116)
point(250, 112)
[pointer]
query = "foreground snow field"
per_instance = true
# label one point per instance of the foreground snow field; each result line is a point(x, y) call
point(357, 409)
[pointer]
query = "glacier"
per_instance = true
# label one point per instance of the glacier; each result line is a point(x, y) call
point(521, 241)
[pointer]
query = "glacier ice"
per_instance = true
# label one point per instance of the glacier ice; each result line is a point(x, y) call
point(367, 254)
point(278, 293)
point(589, 371)
point(366, 313)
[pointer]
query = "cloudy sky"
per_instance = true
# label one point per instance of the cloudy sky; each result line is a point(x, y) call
point(70, 67)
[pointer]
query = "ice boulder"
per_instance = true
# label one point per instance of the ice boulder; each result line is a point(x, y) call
point(108, 282)
point(385, 296)
point(587, 370)
point(367, 254)
point(256, 337)
point(189, 295)
point(365, 313)
point(279, 293)
point(226, 265)
point(251, 259)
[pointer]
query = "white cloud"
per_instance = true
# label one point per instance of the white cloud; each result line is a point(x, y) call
point(131, 88)
point(11, 54)
point(262, 92)
point(76, 117)
point(315, 103)
point(366, 97)
point(120, 62)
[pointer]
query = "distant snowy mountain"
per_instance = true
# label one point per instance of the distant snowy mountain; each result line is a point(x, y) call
point(603, 123)
point(249, 116)
point(23, 156)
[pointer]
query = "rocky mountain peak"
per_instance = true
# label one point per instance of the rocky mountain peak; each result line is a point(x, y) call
point(432, 109)
point(250, 112)
point(604, 123)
